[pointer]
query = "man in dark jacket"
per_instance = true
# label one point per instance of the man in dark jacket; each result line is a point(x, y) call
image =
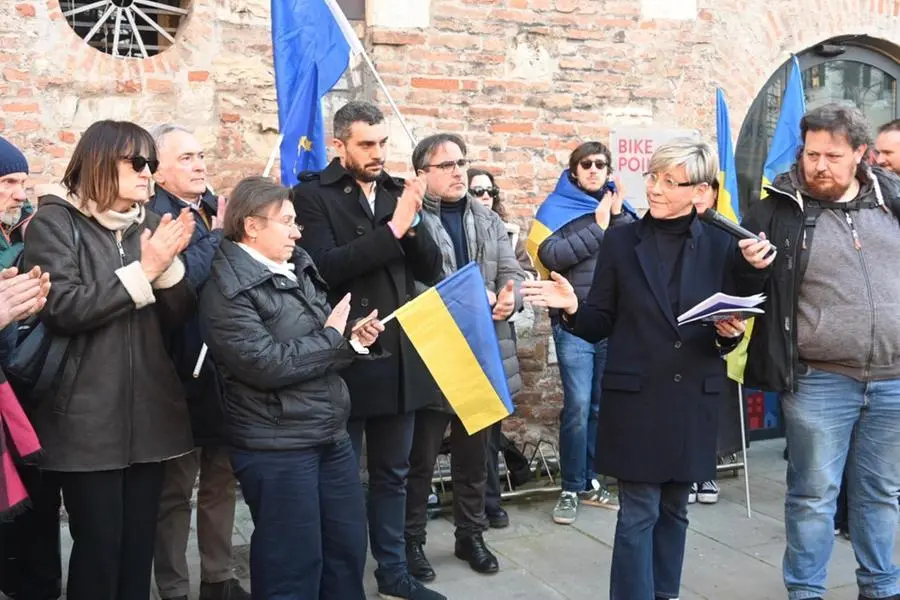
point(181, 183)
point(465, 230)
point(360, 231)
point(829, 342)
point(572, 252)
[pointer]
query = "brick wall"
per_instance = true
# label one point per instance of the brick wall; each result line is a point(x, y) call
point(524, 81)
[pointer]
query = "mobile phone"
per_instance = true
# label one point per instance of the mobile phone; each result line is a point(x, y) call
point(610, 186)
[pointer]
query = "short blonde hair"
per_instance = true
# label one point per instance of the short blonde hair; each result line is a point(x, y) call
point(697, 158)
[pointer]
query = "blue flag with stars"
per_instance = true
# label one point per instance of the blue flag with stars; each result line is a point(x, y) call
point(312, 43)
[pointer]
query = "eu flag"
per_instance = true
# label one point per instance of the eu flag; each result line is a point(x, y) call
point(786, 141)
point(312, 43)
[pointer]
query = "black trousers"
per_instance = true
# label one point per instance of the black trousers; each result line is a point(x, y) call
point(30, 554)
point(468, 473)
point(112, 519)
point(494, 485)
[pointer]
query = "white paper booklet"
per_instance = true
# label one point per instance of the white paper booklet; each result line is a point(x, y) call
point(720, 306)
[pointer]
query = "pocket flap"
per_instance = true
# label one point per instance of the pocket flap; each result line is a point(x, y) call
point(625, 382)
point(714, 384)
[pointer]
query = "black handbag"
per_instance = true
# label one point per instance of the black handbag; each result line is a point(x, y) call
point(37, 364)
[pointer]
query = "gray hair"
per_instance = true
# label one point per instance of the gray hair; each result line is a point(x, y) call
point(355, 112)
point(840, 119)
point(890, 126)
point(425, 149)
point(697, 158)
point(160, 132)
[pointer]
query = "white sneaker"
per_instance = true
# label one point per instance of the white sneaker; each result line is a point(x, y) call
point(708, 492)
point(566, 508)
point(692, 497)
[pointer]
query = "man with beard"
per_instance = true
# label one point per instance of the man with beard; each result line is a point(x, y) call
point(830, 342)
point(360, 227)
point(181, 183)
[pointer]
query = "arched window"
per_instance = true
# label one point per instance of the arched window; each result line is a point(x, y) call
point(858, 70)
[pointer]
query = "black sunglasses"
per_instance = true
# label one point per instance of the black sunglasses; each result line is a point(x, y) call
point(139, 162)
point(600, 164)
point(493, 192)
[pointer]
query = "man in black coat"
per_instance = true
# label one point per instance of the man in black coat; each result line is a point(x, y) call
point(181, 183)
point(360, 229)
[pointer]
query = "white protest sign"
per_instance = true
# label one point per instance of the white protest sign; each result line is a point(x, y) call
point(631, 150)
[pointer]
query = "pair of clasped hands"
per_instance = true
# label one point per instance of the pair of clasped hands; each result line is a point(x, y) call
point(557, 292)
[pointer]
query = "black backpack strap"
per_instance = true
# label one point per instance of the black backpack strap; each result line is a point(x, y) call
point(811, 211)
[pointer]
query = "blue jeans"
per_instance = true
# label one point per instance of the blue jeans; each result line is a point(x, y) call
point(309, 519)
point(648, 551)
point(829, 421)
point(388, 443)
point(581, 367)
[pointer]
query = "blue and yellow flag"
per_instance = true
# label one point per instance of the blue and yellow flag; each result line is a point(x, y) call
point(451, 327)
point(564, 205)
point(728, 204)
point(312, 43)
point(786, 140)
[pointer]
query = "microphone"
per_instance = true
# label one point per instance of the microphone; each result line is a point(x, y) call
point(713, 218)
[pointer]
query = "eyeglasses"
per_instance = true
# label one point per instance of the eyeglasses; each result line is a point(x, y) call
point(448, 165)
point(493, 192)
point(288, 221)
point(667, 182)
point(139, 162)
point(599, 163)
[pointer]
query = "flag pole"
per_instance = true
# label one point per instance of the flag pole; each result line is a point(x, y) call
point(390, 99)
point(744, 448)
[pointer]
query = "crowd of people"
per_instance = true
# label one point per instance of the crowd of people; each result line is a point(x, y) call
point(133, 263)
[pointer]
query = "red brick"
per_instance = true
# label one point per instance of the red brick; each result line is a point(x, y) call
point(512, 127)
point(197, 76)
point(131, 86)
point(15, 74)
point(230, 117)
point(391, 37)
point(67, 137)
point(27, 125)
point(435, 84)
point(25, 9)
point(162, 86)
point(22, 108)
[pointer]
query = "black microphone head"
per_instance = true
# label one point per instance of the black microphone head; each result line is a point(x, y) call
point(709, 215)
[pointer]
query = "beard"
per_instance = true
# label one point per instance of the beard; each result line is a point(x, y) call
point(825, 188)
point(359, 172)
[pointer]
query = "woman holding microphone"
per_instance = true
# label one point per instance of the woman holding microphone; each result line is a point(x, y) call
point(662, 382)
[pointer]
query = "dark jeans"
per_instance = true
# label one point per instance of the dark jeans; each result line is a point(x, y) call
point(309, 519)
point(388, 440)
point(30, 557)
point(468, 474)
point(648, 551)
point(112, 519)
point(494, 484)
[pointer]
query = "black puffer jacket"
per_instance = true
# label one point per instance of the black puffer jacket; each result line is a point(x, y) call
point(279, 363)
point(120, 401)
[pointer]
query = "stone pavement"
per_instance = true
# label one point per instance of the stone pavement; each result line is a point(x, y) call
point(727, 555)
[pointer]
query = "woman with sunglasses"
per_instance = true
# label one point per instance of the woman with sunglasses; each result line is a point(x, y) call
point(572, 251)
point(117, 411)
point(483, 188)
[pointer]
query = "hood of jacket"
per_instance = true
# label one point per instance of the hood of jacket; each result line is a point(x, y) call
point(873, 180)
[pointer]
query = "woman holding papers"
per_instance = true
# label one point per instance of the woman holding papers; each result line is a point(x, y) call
point(662, 382)
point(279, 346)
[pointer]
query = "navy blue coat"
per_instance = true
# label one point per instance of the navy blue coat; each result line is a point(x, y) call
point(204, 394)
point(658, 412)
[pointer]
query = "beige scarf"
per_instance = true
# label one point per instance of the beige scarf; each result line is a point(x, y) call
point(116, 221)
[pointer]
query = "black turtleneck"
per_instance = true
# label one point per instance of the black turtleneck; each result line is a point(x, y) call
point(452, 217)
point(670, 235)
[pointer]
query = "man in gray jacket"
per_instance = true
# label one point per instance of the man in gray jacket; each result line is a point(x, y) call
point(830, 341)
point(465, 231)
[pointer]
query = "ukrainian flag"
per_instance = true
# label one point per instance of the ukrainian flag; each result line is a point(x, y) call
point(786, 141)
point(451, 327)
point(556, 211)
point(728, 204)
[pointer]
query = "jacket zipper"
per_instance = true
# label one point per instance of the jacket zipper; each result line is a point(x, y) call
point(117, 237)
point(862, 261)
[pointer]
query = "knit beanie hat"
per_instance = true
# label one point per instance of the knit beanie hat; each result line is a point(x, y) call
point(11, 159)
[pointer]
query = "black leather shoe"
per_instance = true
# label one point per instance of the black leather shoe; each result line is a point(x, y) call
point(894, 597)
point(223, 590)
point(473, 550)
point(498, 518)
point(417, 563)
